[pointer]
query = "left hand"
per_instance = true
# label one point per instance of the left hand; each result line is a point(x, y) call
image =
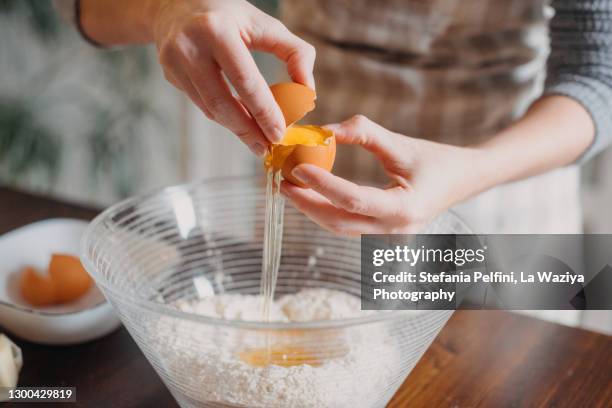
point(426, 179)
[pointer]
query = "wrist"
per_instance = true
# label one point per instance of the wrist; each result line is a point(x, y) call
point(154, 11)
point(144, 15)
point(117, 23)
point(454, 174)
point(485, 171)
point(470, 174)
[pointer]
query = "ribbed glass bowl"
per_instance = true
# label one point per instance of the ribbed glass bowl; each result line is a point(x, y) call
point(150, 251)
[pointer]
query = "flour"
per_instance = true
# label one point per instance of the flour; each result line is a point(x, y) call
point(304, 306)
point(204, 360)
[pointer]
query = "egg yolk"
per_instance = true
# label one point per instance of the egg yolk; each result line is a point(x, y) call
point(306, 135)
point(290, 355)
point(297, 135)
point(280, 356)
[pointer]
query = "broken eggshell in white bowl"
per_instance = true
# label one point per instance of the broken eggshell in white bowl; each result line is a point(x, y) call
point(88, 318)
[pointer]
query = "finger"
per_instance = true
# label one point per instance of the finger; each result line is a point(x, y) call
point(349, 196)
point(238, 65)
point(325, 214)
point(225, 109)
point(360, 130)
point(272, 36)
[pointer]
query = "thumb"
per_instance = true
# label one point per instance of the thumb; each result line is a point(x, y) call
point(361, 131)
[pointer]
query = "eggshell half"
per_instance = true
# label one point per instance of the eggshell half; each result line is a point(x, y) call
point(70, 278)
point(295, 100)
point(320, 156)
point(36, 289)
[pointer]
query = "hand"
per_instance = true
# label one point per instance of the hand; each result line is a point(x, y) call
point(426, 179)
point(201, 40)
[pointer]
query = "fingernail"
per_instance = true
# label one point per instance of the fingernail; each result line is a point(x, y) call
point(312, 83)
point(300, 175)
point(259, 149)
point(331, 126)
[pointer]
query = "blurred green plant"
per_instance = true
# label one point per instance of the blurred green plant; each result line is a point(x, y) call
point(29, 148)
point(116, 136)
point(26, 145)
point(115, 131)
point(40, 14)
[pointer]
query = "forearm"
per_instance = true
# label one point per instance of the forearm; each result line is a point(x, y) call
point(558, 130)
point(112, 22)
point(555, 132)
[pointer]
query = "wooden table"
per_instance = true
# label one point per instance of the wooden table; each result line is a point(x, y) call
point(481, 358)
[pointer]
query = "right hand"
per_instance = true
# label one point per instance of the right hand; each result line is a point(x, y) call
point(200, 40)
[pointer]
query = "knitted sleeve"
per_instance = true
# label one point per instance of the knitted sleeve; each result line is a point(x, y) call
point(580, 64)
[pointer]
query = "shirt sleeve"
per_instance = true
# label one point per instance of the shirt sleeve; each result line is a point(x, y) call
point(580, 63)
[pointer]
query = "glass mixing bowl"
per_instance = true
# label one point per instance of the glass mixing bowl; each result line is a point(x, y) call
point(183, 243)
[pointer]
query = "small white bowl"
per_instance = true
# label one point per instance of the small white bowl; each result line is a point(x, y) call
point(89, 318)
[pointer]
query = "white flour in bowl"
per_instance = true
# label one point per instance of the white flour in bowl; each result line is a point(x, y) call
point(354, 369)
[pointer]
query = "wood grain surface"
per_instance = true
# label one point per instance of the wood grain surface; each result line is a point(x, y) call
point(480, 359)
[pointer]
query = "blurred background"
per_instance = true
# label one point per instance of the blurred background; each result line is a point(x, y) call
point(94, 126)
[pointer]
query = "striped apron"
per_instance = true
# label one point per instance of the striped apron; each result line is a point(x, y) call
point(451, 71)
